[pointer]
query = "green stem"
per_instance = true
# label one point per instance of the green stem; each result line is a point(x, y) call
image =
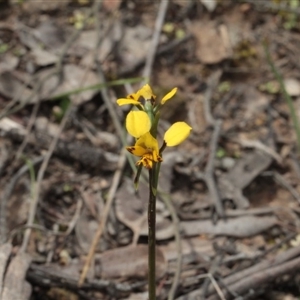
point(286, 95)
point(151, 235)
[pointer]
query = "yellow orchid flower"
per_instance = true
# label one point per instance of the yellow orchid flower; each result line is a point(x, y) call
point(142, 124)
point(146, 147)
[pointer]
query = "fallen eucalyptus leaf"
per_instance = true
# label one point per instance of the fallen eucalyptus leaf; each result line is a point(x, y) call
point(130, 262)
point(240, 227)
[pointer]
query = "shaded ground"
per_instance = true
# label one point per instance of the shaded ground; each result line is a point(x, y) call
point(231, 191)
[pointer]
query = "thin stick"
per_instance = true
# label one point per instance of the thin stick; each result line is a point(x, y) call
point(176, 222)
point(214, 283)
point(6, 194)
point(35, 199)
point(262, 277)
point(213, 81)
point(286, 96)
point(155, 39)
point(110, 198)
point(209, 170)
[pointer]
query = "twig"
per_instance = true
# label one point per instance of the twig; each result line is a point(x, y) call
point(28, 128)
point(212, 83)
point(75, 217)
point(215, 285)
point(47, 277)
point(197, 293)
point(256, 144)
point(6, 194)
point(155, 39)
point(212, 271)
point(15, 231)
point(178, 244)
point(51, 243)
point(260, 267)
point(208, 175)
point(104, 217)
point(258, 279)
point(295, 163)
point(34, 201)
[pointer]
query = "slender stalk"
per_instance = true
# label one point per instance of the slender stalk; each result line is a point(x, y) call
point(151, 235)
point(286, 95)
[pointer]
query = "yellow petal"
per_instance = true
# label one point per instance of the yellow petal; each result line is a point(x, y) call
point(177, 133)
point(137, 123)
point(146, 92)
point(137, 150)
point(168, 96)
point(124, 101)
point(147, 141)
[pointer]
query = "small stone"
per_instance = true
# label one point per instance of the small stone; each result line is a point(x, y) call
point(228, 163)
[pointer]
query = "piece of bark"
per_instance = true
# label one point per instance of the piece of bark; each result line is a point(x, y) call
point(55, 276)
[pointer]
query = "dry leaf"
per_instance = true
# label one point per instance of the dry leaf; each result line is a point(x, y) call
point(8, 62)
point(138, 35)
point(240, 227)
point(12, 88)
point(43, 57)
point(130, 262)
point(211, 48)
point(51, 34)
point(189, 246)
point(131, 209)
